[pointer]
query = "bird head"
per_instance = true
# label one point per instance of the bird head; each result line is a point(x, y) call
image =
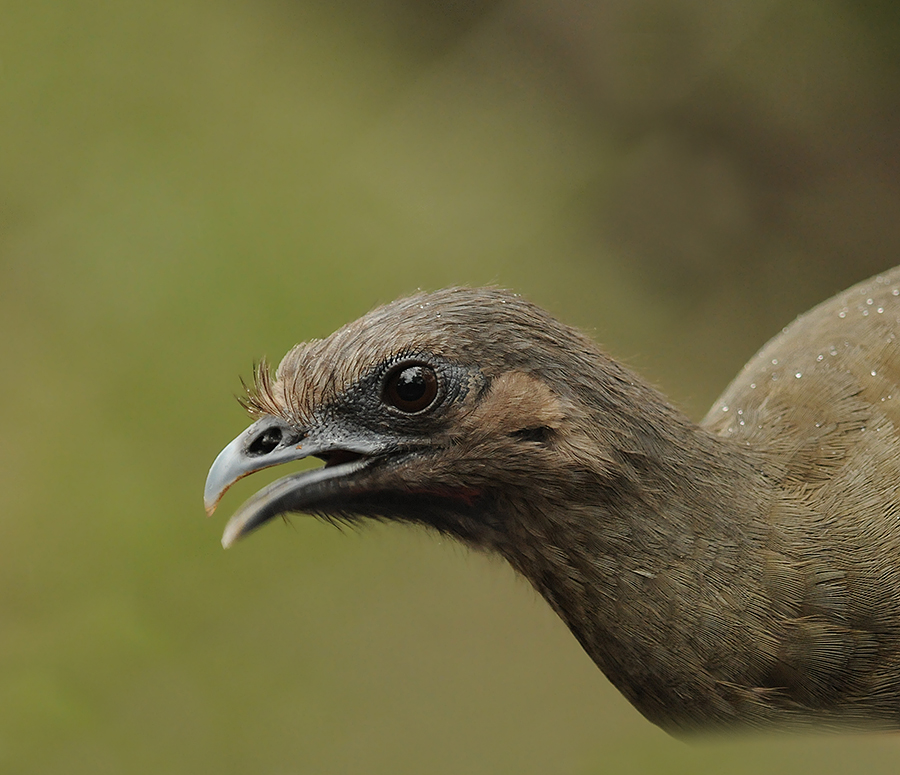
point(476, 413)
point(456, 409)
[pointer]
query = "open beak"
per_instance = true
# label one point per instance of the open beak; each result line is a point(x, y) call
point(270, 442)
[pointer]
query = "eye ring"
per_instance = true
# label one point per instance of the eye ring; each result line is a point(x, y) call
point(410, 387)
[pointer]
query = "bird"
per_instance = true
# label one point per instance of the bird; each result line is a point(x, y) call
point(740, 572)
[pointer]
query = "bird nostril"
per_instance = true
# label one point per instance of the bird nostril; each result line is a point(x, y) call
point(263, 444)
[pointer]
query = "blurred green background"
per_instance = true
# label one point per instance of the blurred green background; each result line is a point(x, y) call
point(188, 186)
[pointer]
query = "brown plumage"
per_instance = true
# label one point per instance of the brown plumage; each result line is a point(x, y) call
point(743, 571)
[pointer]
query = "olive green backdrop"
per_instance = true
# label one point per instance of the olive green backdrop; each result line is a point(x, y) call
point(188, 186)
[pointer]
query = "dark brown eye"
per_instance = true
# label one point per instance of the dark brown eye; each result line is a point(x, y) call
point(411, 387)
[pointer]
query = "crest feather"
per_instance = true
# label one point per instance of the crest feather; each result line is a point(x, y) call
point(259, 396)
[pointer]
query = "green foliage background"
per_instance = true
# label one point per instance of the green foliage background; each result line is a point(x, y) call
point(188, 186)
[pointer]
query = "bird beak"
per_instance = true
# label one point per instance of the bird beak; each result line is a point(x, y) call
point(270, 442)
point(266, 443)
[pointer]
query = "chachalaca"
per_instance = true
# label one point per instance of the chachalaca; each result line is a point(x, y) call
point(743, 571)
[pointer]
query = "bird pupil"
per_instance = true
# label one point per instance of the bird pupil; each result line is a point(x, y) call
point(411, 384)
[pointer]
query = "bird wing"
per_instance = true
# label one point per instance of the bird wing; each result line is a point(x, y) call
point(822, 402)
point(843, 354)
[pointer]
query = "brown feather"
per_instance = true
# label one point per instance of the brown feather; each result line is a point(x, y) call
point(745, 570)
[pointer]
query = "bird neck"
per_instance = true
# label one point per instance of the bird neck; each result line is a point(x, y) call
point(643, 553)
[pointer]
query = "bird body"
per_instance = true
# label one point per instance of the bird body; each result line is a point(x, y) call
point(740, 571)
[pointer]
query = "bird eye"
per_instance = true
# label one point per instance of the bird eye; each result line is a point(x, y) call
point(411, 387)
